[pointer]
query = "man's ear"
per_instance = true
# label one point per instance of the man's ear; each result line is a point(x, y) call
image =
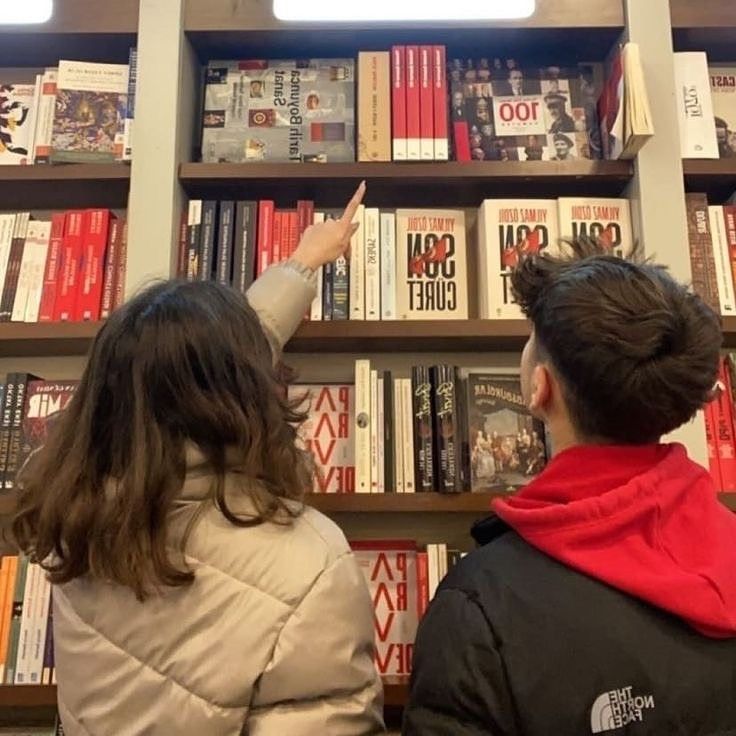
point(541, 391)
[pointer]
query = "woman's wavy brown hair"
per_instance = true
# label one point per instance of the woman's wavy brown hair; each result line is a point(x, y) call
point(181, 365)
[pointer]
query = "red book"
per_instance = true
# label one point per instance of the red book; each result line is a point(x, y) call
point(710, 433)
point(71, 251)
point(182, 255)
point(729, 217)
point(305, 211)
point(398, 102)
point(426, 104)
point(92, 266)
point(51, 273)
point(422, 584)
point(291, 232)
point(413, 116)
point(725, 438)
point(439, 87)
point(112, 266)
point(265, 235)
point(119, 292)
point(277, 249)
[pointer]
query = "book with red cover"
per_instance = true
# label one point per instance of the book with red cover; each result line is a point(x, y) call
point(714, 465)
point(422, 584)
point(426, 104)
point(266, 210)
point(390, 570)
point(51, 273)
point(277, 247)
point(398, 103)
point(439, 90)
point(725, 438)
point(119, 293)
point(112, 265)
point(292, 233)
point(413, 110)
point(71, 251)
point(91, 265)
point(305, 212)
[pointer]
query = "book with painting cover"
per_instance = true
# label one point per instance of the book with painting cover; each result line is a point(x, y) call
point(279, 110)
point(17, 121)
point(328, 434)
point(723, 96)
point(606, 220)
point(89, 118)
point(507, 447)
point(432, 281)
point(502, 111)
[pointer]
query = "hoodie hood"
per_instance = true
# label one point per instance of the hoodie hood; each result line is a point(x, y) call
point(644, 520)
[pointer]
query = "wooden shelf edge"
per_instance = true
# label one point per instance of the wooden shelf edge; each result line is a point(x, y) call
point(65, 172)
point(686, 14)
point(728, 500)
point(402, 502)
point(716, 167)
point(27, 696)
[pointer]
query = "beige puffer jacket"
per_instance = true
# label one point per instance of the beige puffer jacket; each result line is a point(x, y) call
point(274, 637)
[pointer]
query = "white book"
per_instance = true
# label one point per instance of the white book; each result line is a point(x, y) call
point(38, 631)
point(33, 119)
point(315, 312)
point(509, 229)
point(7, 228)
point(357, 268)
point(18, 131)
point(398, 436)
point(433, 569)
point(374, 431)
point(722, 258)
point(372, 264)
point(20, 233)
point(45, 122)
point(33, 580)
point(381, 438)
point(388, 265)
point(48, 667)
point(39, 256)
point(362, 426)
point(605, 219)
point(408, 431)
point(442, 555)
point(694, 106)
point(20, 302)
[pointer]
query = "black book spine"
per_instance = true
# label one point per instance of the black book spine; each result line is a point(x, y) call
point(341, 289)
point(251, 223)
point(388, 432)
point(421, 385)
point(328, 286)
point(445, 428)
point(6, 421)
point(225, 243)
point(463, 465)
point(193, 232)
point(207, 249)
point(16, 431)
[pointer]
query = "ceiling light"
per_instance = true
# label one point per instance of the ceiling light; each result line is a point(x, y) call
point(25, 11)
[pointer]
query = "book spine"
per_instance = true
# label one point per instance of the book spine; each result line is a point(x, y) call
point(372, 226)
point(387, 433)
point(422, 417)
point(48, 655)
point(183, 247)
point(265, 234)
point(362, 426)
point(729, 230)
point(194, 226)
point(426, 104)
point(413, 115)
point(374, 106)
point(22, 290)
point(278, 236)
point(398, 435)
point(357, 268)
point(16, 431)
point(439, 88)
point(445, 428)
point(374, 419)
point(462, 482)
point(7, 612)
point(695, 107)
point(295, 233)
point(433, 570)
point(244, 257)
point(46, 116)
point(410, 485)
point(30, 595)
point(112, 263)
point(15, 620)
point(305, 216)
point(7, 228)
point(39, 258)
point(89, 299)
point(225, 243)
point(722, 261)
point(702, 262)
point(207, 243)
point(422, 584)
point(38, 630)
point(725, 429)
point(341, 279)
point(398, 103)
point(33, 121)
point(51, 274)
point(711, 431)
point(121, 275)
point(4, 581)
point(388, 265)
point(6, 421)
point(315, 312)
point(328, 291)
point(14, 263)
point(130, 105)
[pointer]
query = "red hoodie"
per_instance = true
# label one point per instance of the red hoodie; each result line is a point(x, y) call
point(644, 520)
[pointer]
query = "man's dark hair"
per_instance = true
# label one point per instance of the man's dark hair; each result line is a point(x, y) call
point(637, 353)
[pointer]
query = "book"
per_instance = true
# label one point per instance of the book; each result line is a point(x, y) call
point(372, 241)
point(225, 243)
point(376, 425)
point(374, 106)
point(446, 429)
point(277, 236)
point(92, 265)
point(422, 411)
point(413, 112)
point(508, 230)
point(387, 226)
point(362, 426)
point(638, 125)
point(130, 105)
point(33, 118)
point(725, 442)
point(51, 271)
point(40, 624)
point(398, 104)
point(426, 104)
point(439, 88)
point(17, 123)
point(407, 430)
point(723, 98)
point(10, 568)
point(7, 229)
point(112, 262)
point(244, 250)
point(315, 312)
point(14, 261)
point(194, 226)
point(328, 291)
point(15, 620)
point(606, 220)
point(722, 258)
point(398, 423)
point(18, 306)
point(279, 110)
point(45, 118)
point(388, 430)
point(72, 249)
point(120, 275)
point(702, 260)
point(729, 230)
point(390, 571)
point(207, 240)
point(266, 213)
point(89, 117)
point(694, 106)
point(329, 434)
point(506, 443)
point(15, 433)
point(35, 255)
point(9, 394)
point(422, 584)
point(30, 601)
point(357, 268)
point(432, 281)
point(340, 294)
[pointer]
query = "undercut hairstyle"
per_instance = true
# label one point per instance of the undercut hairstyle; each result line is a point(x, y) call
point(636, 352)
point(182, 365)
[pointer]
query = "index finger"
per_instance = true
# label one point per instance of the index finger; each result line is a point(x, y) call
point(353, 204)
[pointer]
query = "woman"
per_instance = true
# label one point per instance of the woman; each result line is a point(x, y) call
point(193, 592)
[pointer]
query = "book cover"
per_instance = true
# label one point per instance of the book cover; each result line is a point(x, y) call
point(440, 102)
point(305, 215)
point(357, 267)
point(432, 281)
point(723, 96)
point(508, 230)
point(506, 443)
point(421, 385)
point(225, 243)
point(694, 106)
point(51, 272)
point(398, 103)
point(381, 439)
point(702, 260)
point(374, 106)
point(92, 265)
point(413, 111)
point(33, 118)
point(20, 302)
point(207, 240)
point(130, 105)
point(194, 227)
point(38, 256)
point(426, 104)
point(422, 584)
point(372, 227)
point(611, 107)
point(722, 258)
point(16, 123)
point(293, 234)
point(45, 119)
point(447, 452)
point(30, 601)
point(390, 570)
point(387, 227)
point(112, 262)
point(71, 255)
point(607, 220)
point(340, 291)
point(279, 110)
point(328, 291)
point(244, 256)
point(38, 631)
point(328, 434)
point(89, 118)
point(362, 426)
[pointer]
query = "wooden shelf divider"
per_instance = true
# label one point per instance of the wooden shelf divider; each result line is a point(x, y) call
point(402, 502)
point(27, 696)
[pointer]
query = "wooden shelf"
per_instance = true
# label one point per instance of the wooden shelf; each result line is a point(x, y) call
point(706, 25)
point(63, 186)
point(402, 502)
point(407, 184)
point(395, 691)
point(27, 696)
point(729, 332)
point(728, 499)
point(715, 177)
point(46, 339)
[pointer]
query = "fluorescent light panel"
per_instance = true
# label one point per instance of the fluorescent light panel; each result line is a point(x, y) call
point(342, 11)
point(20, 12)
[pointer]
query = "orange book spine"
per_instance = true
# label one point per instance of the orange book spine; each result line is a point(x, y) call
point(7, 609)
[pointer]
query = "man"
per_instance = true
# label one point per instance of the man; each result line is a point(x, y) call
point(604, 599)
point(562, 122)
point(726, 139)
point(513, 86)
point(563, 145)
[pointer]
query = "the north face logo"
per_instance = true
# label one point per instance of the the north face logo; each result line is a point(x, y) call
point(618, 708)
